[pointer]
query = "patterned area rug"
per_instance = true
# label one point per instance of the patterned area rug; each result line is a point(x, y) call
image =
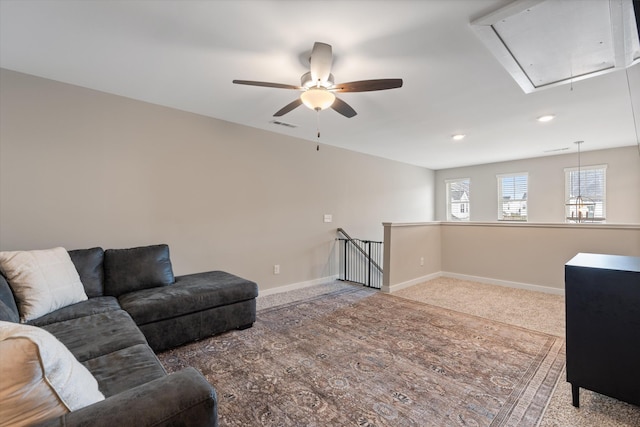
point(362, 358)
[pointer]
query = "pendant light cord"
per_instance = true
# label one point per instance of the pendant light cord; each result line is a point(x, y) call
point(579, 164)
point(633, 111)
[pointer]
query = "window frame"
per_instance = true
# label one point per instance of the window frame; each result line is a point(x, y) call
point(465, 206)
point(499, 179)
point(567, 193)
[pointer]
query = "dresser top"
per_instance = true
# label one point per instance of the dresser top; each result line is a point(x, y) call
point(605, 261)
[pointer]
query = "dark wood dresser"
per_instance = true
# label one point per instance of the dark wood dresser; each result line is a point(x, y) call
point(602, 294)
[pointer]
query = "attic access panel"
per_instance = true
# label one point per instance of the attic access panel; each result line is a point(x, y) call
point(546, 43)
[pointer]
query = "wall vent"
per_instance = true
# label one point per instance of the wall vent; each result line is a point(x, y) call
point(554, 150)
point(279, 123)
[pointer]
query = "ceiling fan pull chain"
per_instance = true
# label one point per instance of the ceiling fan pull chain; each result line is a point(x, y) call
point(571, 72)
point(318, 129)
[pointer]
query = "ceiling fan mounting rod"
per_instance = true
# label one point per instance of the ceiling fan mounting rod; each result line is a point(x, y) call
point(306, 81)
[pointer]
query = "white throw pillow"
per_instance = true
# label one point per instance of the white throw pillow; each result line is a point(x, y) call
point(42, 281)
point(39, 377)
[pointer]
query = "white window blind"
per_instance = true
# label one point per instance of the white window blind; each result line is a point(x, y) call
point(585, 194)
point(458, 196)
point(512, 197)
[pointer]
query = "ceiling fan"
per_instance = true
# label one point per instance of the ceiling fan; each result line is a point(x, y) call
point(318, 87)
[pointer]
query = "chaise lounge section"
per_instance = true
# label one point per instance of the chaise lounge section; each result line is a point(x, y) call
point(171, 311)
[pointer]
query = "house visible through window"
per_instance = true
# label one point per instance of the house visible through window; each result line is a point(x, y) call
point(585, 194)
point(458, 199)
point(512, 197)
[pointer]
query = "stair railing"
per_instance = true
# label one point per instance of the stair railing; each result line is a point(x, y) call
point(360, 261)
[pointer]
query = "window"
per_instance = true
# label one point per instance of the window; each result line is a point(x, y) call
point(585, 194)
point(512, 197)
point(458, 199)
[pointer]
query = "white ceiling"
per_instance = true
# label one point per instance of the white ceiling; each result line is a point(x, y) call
point(184, 54)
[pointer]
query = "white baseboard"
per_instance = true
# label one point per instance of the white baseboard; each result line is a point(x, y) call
point(398, 286)
point(505, 283)
point(418, 280)
point(299, 285)
point(479, 279)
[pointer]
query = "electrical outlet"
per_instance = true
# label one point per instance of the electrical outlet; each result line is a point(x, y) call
point(328, 218)
point(276, 269)
point(421, 260)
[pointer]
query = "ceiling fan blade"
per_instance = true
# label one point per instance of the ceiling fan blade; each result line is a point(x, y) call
point(343, 108)
point(320, 62)
point(290, 106)
point(266, 84)
point(367, 85)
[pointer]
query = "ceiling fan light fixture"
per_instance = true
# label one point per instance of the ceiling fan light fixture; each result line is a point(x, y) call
point(317, 98)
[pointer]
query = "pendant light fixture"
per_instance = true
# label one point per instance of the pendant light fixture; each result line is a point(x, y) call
point(578, 208)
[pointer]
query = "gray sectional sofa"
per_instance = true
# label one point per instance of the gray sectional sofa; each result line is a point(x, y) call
point(136, 306)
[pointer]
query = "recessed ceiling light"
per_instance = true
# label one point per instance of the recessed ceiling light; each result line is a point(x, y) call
point(546, 118)
point(458, 137)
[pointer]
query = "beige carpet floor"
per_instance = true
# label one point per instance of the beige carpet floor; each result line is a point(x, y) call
point(533, 310)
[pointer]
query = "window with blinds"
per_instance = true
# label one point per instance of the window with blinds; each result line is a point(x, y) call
point(585, 194)
point(458, 196)
point(512, 197)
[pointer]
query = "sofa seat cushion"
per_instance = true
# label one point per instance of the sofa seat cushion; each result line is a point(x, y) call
point(92, 336)
point(81, 309)
point(189, 294)
point(124, 369)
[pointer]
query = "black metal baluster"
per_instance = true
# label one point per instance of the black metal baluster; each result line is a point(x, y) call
point(361, 261)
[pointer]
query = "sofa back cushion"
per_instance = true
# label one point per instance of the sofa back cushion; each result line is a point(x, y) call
point(88, 262)
point(128, 270)
point(8, 308)
point(8, 315)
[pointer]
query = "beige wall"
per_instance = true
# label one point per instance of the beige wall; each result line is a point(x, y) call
point(530, 256)
point(81, 168)
point(546, 185)
point(411, 251)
